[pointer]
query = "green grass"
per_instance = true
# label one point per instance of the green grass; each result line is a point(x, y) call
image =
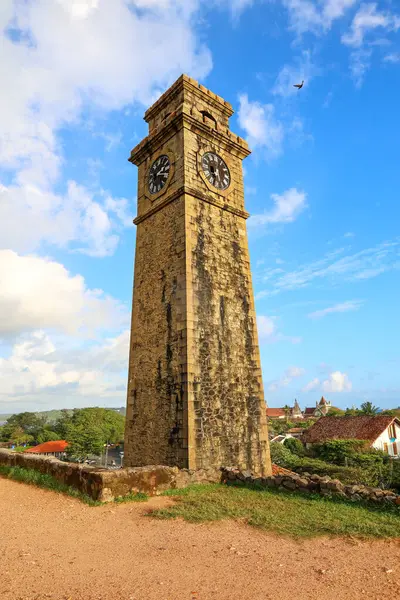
point(283, 513)
point(138, 497)
point(48, 482)
point(43, 480)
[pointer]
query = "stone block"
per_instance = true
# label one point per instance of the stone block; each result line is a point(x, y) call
point(289, 485)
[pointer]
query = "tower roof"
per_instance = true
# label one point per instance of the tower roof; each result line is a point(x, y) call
point(191, 87)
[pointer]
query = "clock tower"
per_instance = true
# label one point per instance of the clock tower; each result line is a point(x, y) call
point(195, 394)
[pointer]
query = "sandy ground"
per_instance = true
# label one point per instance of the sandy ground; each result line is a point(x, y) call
point(55, 547)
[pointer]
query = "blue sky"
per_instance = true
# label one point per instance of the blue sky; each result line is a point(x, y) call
point(322, 186)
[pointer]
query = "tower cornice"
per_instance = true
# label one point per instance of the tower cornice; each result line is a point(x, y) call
point(186, 83)
point(175, 121)
point(185, 189)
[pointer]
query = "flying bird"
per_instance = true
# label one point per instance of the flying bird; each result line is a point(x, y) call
point(299, 85)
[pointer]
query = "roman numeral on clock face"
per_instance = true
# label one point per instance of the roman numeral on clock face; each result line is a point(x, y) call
point(158, 174)
point(215, 170)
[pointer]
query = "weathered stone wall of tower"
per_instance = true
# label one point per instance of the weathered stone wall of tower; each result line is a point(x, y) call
point(228, 401)
point(154, 419)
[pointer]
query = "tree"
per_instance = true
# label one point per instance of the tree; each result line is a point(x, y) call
point(294, 445)
point(31, 424)
point(335, 412)
point(19, 437)
point(47, 436)
point(367, 408)
point(87, 430)
point(351, 412)
point(287, 410)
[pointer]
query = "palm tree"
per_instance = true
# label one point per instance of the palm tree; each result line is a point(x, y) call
point(367, 408)
point(287, 410)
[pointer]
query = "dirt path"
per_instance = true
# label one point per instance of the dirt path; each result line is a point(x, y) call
point(53, 547)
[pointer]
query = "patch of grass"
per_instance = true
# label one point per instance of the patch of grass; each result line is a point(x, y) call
point(283, 513)
point(48, 482)
point(132, 497)
point(43, 480)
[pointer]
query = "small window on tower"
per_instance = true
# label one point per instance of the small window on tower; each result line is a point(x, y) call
point(208, 115)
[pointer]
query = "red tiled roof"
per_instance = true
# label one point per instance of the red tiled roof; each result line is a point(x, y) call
point(275, 412)
point(346, 428)
point(51, 447)
point(280, 470)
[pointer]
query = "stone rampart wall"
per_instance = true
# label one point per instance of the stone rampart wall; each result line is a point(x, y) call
point(105, 485)
point(312, 484)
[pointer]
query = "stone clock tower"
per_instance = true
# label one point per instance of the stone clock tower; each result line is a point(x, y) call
point(195, 395)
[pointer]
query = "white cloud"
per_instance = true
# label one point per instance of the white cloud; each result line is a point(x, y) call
point(266, 326)
point(350, 305)
point(337, 382)
point(89, 223)
point(261, 126)
point(319, 17)
point(236, 6)
point(306, 15)
point(334, 9)
point(61, 57)
point(367, 19)
point(38, 293)
point(287, 377)
point(314, 384)
point(364, 264)
point(392, 58)
point(268, 331)
point(37, 373)
point(360, 62)
point(287, 207)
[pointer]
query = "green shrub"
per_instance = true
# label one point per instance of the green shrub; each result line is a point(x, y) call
point(338, 451)
point(347, 475)
point(375, 458)
point(295, 446)
point(280, 455)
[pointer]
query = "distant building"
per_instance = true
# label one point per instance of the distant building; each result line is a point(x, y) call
point(321, 409)
point(296, 411)
point(56, 448)
point(275, 413)
point(279, 439)
point(296, 432)
point(285, 413)
point(381, 431)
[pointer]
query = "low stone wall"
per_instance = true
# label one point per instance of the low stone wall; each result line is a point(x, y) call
point(307, 484)
point(105, 485)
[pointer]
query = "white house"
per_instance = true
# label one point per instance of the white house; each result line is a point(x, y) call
point(389, 439)
point(381, 431)
point(279, 439)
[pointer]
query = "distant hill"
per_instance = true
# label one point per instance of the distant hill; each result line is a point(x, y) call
point(53, 415)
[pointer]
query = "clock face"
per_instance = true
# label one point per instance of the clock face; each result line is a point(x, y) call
point(159, 174)
point(216, 170)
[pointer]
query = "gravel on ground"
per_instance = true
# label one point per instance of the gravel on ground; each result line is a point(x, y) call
point(55, 547)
